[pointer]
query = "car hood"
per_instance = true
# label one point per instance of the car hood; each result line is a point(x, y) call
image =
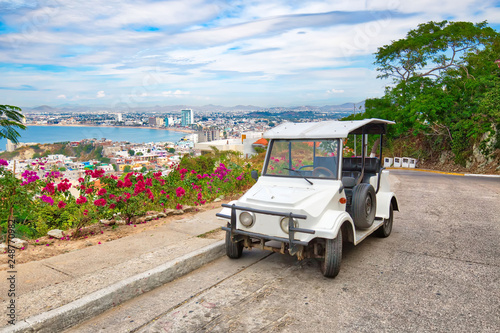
point(291, 194)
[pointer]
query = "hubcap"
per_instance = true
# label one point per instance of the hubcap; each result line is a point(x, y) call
point(368, 205)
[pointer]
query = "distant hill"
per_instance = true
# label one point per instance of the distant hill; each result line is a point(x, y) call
point(67, 108)
point(44, 108)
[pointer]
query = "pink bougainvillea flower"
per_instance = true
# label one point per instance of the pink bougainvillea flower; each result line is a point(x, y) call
point(112, 206)
point(149, 182)
point(99, 243)
point(180, 191)
point(37, 241)
point(61, 204)
point(49, 188)
point(85, 212)
point(100, 202)
point(63, 186)
point(102, 191)
point(179, 206)
point(47, 199)
point(81, 200)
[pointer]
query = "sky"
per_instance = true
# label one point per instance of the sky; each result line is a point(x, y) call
point(196, 52)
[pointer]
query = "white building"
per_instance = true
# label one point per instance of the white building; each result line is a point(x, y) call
point(169, 121)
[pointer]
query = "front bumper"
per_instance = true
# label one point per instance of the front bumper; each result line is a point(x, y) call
point(293, 243)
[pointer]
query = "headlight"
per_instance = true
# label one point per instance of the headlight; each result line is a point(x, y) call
point(284, 224)
point(247, 219)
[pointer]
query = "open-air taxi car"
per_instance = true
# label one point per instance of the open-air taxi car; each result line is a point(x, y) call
point(310, 198)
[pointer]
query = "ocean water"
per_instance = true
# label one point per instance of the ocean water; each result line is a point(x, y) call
point(51, 134)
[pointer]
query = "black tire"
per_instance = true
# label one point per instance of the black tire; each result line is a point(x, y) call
point(386, 227)
point(364, 205)
point(330, 266)
point(233, 250)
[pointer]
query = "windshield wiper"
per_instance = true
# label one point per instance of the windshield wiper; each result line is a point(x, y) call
point(300, 173)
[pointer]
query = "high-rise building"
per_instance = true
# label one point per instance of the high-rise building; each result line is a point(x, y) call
point(119, 117)
point(187, 117)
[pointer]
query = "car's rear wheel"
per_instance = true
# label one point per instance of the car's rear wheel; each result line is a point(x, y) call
point(386, 227)
point(330, 266)
point(233, 250)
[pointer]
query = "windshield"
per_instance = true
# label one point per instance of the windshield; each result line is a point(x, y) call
point(303, 158)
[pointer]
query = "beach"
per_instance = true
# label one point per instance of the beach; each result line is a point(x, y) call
point(110, 126)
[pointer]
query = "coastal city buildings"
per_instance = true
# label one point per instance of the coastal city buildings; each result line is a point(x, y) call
point(237, 131)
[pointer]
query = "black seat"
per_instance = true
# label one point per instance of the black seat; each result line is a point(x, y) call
point(351, 167)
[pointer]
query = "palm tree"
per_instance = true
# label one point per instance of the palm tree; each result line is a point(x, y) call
point(11, 119)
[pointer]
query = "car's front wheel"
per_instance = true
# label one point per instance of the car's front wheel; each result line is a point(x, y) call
point(385, 229)
point(233, 250)
point(330, 266)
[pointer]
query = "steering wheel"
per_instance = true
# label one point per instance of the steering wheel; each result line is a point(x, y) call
point(322, 171)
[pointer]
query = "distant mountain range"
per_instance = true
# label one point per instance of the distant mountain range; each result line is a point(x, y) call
point(68, 108)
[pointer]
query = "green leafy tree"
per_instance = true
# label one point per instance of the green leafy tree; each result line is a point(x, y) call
point(11, 119)
point(441, 71)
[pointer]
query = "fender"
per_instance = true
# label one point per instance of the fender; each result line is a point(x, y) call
point(330, 223)
point(384, 200)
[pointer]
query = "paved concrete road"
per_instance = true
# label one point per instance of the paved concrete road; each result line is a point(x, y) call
point(438, 271)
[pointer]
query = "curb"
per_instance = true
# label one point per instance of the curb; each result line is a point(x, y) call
point(98, 302)
point(444, 172)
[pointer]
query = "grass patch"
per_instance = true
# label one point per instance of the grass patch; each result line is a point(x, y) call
point(209, 233)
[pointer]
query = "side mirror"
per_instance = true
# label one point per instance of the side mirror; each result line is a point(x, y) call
point(254, 174)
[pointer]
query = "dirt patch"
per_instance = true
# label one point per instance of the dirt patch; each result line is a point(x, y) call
point(97, 234)
point(488, 169)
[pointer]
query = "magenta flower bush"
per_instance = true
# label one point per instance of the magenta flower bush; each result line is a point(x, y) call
point(194, 182)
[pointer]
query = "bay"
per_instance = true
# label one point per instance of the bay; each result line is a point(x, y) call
point(51, 134)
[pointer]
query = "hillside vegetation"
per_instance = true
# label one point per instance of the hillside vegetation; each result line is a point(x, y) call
point(83, 152)
point(444, 95)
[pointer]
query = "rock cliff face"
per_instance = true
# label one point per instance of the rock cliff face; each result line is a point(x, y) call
point(484, 153)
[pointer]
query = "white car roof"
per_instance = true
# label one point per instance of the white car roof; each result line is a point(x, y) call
point(320, 130)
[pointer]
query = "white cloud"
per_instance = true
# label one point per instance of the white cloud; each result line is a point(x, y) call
point(335, 91)
point(225, 52)
point(176, 93)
